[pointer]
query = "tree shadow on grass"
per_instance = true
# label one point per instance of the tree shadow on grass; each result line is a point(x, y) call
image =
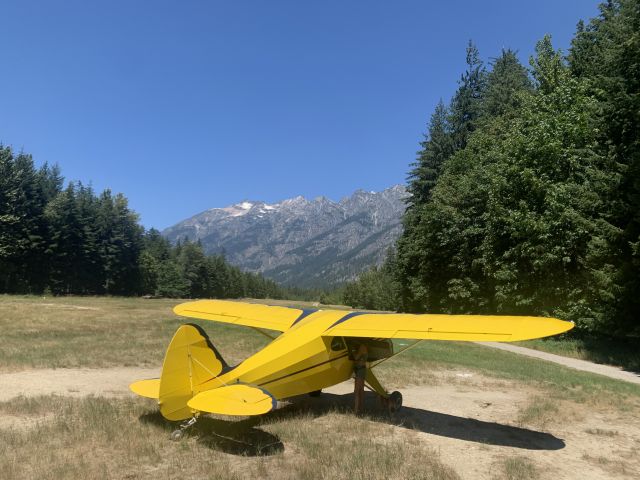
point(244, 437)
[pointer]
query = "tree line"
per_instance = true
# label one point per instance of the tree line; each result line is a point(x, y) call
point(525, 194)
point(68, 240)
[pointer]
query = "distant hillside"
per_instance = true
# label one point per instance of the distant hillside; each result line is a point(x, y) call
point(301, 242)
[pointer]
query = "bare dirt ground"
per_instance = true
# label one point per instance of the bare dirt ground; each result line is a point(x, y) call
point(74, 382)
point(474, 422)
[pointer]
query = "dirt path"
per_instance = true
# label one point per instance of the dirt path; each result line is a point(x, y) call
point(585, 366)
point(75, 382)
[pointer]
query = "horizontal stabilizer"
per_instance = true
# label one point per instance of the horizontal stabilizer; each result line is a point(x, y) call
point(146, 388)
point(237, 399)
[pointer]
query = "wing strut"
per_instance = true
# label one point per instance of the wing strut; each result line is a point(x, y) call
point(259, 330)
point(411, 345)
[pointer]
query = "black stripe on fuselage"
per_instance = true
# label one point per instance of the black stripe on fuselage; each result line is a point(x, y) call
point(304, 369)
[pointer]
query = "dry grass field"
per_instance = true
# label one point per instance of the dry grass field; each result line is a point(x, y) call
point(470, 411)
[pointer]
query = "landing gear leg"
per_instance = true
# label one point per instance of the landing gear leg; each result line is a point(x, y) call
point(360, 371)
point(179, 433)
point(392, 401)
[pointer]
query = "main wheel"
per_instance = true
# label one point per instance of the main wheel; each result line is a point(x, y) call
point(395, 402)
point(315, 393)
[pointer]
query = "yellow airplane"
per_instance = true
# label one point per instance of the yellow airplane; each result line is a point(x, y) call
point(316, 349)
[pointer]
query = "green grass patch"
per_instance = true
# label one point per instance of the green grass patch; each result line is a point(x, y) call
point(562, 381)
point(619, 353)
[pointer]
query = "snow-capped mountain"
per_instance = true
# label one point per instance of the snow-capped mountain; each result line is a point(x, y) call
point(298, 241)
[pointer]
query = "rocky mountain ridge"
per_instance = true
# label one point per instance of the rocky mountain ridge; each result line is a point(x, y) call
point(301, 242)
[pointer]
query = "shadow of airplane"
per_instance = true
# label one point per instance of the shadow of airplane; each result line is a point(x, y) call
point(244, 437)
point(234, 437)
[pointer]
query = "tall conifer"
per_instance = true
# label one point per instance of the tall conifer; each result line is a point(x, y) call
point(466, 107)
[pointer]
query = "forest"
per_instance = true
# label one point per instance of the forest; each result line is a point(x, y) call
point(525, 194)
point(68, 240)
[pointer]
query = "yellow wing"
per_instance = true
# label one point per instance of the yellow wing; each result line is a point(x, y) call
point(239, 313)
point(473, 328)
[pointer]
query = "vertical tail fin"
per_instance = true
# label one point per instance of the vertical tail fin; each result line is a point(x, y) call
point(191, 360)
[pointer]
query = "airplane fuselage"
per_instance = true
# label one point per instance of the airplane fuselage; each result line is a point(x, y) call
point(298, 361)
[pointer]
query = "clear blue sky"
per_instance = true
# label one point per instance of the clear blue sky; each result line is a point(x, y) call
point(187, 105)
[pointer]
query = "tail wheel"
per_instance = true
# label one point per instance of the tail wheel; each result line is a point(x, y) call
point(395, 402)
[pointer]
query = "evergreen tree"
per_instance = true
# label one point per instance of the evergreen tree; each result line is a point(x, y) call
point(375, 289)
point(90, 271)
point(22, 228)
point(218, 272)
point(51, 181)
point(9, 219)
point(156, 252)
point(466, 104)
point(157, 246)
point(64, 250)
point(606, 55)
point(516, 215)
point(436, 148)
point(171, 282)
point(448, 132)
point(506, 81)
point(119, 242)
point(193, 267)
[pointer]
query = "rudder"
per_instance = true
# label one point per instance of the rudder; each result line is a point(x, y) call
point(191, 360)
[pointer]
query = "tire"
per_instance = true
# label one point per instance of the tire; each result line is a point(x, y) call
point(395, 402)
point(176, 435)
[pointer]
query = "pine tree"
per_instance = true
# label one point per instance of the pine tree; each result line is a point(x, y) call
point(448, 132)
point(193, 268)
point(64, 250)
point(606, 55)
point(506, 81)
point(22, 227)
point(91, 271)
point(119, 244)
point(51, 181)
point(436, 148)
point(9, 219)
point(218, 272)
point(171, 283)
point(465, 109)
